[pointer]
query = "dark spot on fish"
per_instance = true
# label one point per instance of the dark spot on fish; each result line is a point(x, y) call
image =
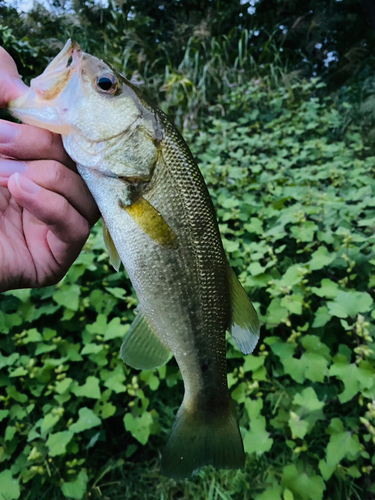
point(206, 363)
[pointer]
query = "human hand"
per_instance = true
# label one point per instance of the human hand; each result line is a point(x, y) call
point(46, 210)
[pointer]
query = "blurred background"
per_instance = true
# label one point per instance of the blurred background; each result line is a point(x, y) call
point(276, 99)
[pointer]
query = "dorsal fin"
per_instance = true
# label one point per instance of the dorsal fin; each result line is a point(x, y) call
point(245, 324)
point(142, 348)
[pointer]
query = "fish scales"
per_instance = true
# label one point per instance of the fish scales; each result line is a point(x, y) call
point(159, 221)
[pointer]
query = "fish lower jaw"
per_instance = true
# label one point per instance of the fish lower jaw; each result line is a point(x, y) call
point(49, 121)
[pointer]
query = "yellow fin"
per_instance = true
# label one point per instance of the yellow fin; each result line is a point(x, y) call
point(112, 252)
point(151, 222)
point(245, 324)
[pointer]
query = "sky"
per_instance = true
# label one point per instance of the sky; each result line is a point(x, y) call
point(22, 5)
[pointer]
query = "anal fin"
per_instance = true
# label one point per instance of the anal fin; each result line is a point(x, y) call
point(112, 252)
point(245, 324)
point(142, 349)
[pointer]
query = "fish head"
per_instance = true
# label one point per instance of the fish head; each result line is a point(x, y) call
point(78, 95)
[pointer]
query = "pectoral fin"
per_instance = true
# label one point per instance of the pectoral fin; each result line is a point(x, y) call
point(142, 349)
point(112, 252)
point(151, 222)
point(245, 324)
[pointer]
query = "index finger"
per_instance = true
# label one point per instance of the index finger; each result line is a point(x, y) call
point(11, 85)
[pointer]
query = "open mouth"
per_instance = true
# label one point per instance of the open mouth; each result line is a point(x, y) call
point(41, 104)
point(56, 76)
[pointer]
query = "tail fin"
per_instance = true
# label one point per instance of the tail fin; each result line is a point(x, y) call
point(196, 441)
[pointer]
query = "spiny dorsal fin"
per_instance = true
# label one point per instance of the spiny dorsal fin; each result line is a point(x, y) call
point(151, 222)
point(245, 324)
point(112, 252)
point(142, 349)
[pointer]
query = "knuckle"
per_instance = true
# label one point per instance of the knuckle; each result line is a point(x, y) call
point(54, 172)
point(84, 230)
point(53, 279)
point(49, 145)
point(58, 211)
point(78, 229)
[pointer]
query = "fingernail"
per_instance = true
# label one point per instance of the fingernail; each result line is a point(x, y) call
point(8, 132)
point(10, 167)
point(26, 184)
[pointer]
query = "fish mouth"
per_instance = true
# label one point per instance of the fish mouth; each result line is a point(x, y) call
point(41, 104)
point(56, 76)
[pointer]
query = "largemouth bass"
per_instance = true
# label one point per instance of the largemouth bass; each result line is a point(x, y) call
point(160, 222)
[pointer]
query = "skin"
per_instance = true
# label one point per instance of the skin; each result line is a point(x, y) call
point(46, 210)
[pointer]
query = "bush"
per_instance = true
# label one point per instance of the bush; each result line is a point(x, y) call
point(293, 185)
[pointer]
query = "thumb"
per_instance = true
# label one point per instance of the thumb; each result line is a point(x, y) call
point(11, 85)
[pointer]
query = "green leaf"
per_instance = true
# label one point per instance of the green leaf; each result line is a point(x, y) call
point(297, 426)
point(301, 485)
point(105, 410)
point(321, 317)
point(139, 427)
point(305, 231)
point(76, 489)
point(114, 379)
point(328, 289)
point(255, 268)
point(255, 226)
point(293, 303)
point(308, 400)
point(314, 345)
point(87, 420)
point(32, 336)
point(273, 493)
point(276, 313)
point(68, 296)
point(325, 470)
point(90, 389)
point(353, 471)
point(315, 366)
point(257, 439)
point(47, 423)
point(3, 414)
point(10, 489)
point(343, 444)
point(115, 330)
point(13, 393)
point(92, 349)
point(321, 258)
point(10, 431)
point(230, 246)
point(19, 372)
point(57, 442)
point(288, 495)
point(350, 304)
point(63, 385)
point(355, 378)
point(252, 363)
point(119, 293)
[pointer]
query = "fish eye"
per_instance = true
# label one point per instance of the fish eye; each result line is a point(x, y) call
point(107, 83)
